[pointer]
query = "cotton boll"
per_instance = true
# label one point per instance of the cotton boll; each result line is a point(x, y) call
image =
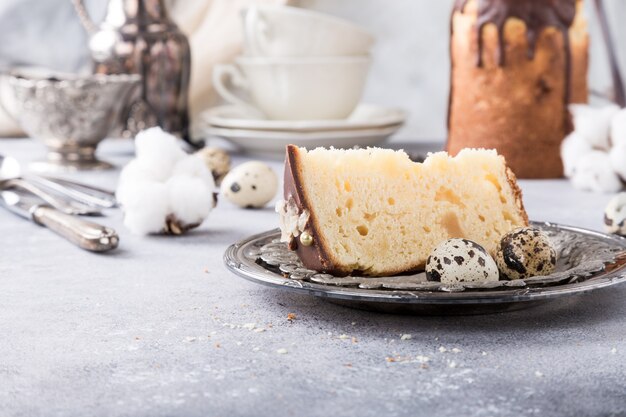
point(573, 147)
point(594, 123)
point(190, 200)
point(146, 207)
point(618, 128)
point(593, 172)
point(618, 159)
point(194, 166)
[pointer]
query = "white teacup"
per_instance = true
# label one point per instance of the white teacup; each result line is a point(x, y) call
point(281, 31)
point(295, 88)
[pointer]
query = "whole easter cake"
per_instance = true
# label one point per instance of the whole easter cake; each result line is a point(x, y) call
point(375, 212)
point(516, 66)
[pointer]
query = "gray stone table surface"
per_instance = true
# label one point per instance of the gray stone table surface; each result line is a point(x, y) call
point(161, 328)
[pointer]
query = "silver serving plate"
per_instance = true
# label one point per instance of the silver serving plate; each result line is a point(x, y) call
point(587, 261)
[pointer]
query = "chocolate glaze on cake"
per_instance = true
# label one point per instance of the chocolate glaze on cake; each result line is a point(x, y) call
point(313, 257)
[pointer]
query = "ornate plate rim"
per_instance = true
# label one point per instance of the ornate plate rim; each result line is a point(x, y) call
point(254, 272)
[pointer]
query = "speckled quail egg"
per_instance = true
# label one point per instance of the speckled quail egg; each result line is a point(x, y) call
point(250, 185)
point(525, 252)
point(460, 260)
point(217, 160)
point(615, 215)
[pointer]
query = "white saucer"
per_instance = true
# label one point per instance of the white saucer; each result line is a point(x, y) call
point(273, 143)
point(365, 116)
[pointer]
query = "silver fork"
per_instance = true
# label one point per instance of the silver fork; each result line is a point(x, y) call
point(10, 178)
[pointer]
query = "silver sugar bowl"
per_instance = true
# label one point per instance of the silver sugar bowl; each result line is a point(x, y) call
point(71, 114)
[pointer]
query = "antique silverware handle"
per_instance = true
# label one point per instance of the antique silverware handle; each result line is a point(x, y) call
point(87, 235)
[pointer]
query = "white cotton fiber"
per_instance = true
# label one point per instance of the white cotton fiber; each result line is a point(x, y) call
point(188, 198)
point(594, 123)
point(618, 159)
point(593, 172)
point(158, 151)
point(194, 166)
point(572, 149)
point(164, 186)
point(618, 128)
point(146, 207)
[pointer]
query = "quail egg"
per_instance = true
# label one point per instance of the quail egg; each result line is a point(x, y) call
point(615, 215)
point(460, 260)
point(525, 252)
point(217, 160)
point(250, 185)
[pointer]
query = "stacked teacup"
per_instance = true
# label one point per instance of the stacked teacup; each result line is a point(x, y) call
point(297, 65)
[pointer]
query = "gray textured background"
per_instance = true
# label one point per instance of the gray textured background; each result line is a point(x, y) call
point(157, 328)
point(411, 55)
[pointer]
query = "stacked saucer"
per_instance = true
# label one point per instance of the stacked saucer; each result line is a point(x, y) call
point(299, 81)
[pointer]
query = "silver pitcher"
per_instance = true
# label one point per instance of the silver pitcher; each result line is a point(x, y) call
point(138, 37)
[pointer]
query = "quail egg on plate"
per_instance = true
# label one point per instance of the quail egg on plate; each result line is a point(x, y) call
point(460, 260)
point(525, 252)
point(615, 215)
point(250, 185)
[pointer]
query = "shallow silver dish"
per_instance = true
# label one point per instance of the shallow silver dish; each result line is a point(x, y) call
point(587, 260)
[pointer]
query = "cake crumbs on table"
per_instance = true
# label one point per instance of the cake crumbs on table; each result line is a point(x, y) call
point(344, 336)
point(406, 336)
point(281, 351)
point(354, 340)
point(614, 351)
point(539, 374)
point(442, 349)
point(452, 364)
point(291, 317)
point(217, 345)
point(456, 350)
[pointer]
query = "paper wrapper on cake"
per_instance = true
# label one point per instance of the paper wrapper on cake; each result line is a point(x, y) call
point(513, 73)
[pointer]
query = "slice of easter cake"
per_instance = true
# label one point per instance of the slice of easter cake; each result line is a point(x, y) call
point(375, 212)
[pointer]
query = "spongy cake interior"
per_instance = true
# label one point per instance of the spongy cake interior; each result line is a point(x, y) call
point(377, 211)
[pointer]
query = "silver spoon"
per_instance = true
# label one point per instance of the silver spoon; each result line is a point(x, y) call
point(10, 178)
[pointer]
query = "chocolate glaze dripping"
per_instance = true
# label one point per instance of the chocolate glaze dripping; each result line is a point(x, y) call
point(536, 14)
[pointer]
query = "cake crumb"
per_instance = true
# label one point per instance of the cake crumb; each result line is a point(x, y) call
point(442, 349)
point(256, 349)
point(249, 326)
point(390, 359)
point(353, 323)
point(484, 353)
point(206, 270)
point(347, 365)
point(538, 374)
point(614, 351)
point(291, 316)
point(344, 336)
point(456, 350)
point(452, 364)
point(406, 336)
point(217, 345)
point(282, 351)
point(190, 339)
point(422, 359)
point(354, 340)
point(259, 330)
